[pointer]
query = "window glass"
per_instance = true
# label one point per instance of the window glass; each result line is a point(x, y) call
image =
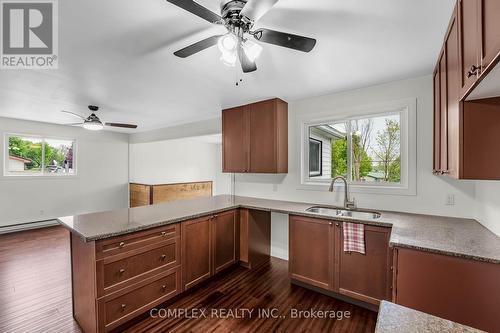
point(34, 156)
point(364, 150)
point(315, 152)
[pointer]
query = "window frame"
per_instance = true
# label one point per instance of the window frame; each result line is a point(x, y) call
point(42, 174)
point(407, 110)
point(320, 162)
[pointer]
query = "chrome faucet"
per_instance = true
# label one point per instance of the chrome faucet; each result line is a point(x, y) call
point(347, 203)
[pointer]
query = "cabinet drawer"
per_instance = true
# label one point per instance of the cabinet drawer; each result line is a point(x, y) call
point(119, 271)
point(122, 244)
point(120, 307)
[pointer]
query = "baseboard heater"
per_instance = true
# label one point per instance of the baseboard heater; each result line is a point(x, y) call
point(27, 226)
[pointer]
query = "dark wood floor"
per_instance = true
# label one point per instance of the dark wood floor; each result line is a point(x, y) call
point(35, 295)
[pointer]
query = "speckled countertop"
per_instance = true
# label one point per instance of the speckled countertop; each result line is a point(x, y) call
point(452, 236)
point(393, 318)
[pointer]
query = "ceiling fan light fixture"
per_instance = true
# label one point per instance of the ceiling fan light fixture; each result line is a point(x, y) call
point(229, 58)
point(93, 126)
point(252, 50)
point(227, 43)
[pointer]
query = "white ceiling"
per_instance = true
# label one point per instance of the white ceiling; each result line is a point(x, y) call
point(118, 54)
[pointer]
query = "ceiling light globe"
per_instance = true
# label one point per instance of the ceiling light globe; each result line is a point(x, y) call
point(229, 58)
point(227, 43)
point(93, 126)
point(252, 50)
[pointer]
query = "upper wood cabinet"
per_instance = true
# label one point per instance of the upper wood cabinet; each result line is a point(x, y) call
point(479, 40)
point(255, 138)
point(464, 131)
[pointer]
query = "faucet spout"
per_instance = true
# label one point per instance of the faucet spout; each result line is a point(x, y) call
point(347, 203)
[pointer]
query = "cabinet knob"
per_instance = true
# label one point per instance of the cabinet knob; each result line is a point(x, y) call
point(164, 287)
point(123, 307)
point(473, 71)
point(163, 257)
point(163, 233)
point(337, 224)
point(122, 244)
point(121, 271)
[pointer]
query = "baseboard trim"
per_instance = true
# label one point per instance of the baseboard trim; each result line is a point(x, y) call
point(27, 226)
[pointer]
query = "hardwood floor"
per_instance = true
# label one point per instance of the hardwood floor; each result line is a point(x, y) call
point(35, 295)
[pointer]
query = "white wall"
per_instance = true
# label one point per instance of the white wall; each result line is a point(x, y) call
point(101, 183)
point(178, 161)
point(488, 204)
point(431, 190)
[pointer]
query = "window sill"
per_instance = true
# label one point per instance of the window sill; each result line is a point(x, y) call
point(362, 189)
point(31, 177)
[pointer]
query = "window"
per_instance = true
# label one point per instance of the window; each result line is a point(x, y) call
point(315, 157)
point(37, 156)
point(375, 149)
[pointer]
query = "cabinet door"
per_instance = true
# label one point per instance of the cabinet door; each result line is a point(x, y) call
point(452, 99)
point(224, 240)
point(490, 31)
point(437, 121)
point(470, 42)
point(443, 144)
point(196, 251)
point(263, 137)
point(235, 140)
point(367, 277)
point(312, 251)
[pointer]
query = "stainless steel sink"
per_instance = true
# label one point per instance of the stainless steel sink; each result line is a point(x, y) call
point(341, 212)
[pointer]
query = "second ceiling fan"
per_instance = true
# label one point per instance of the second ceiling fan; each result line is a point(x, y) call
point(239, 16)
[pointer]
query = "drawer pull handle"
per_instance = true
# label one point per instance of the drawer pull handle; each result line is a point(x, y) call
point(164, 287)
point(124, 306)
point(163, 257)
point(122, 244)
point(122, 271)
point(163, 233)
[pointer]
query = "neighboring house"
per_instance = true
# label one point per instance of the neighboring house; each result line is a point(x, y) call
point(320, 150)
point(17, 163)
point(375, 176)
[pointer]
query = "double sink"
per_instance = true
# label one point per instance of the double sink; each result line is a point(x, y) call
point(342, 212)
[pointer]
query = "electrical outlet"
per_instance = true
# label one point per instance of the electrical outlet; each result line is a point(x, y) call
point(450, 200)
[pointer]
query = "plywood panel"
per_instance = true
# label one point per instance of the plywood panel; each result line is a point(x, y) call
point(140, 195)
point(182, 191)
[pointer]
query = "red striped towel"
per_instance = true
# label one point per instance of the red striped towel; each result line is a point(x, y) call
point(354, 237)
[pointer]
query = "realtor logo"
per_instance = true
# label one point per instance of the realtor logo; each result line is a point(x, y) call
point(29, 34)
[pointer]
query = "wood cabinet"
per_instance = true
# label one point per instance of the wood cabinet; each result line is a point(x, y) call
point(312, 250)
point(461, 290)
point(317, 258)
point(255, 138)
point(196, 251)
point(116, 279)
point(208, 246)
point(255, 237)
point(367, 277)
point(462, 131)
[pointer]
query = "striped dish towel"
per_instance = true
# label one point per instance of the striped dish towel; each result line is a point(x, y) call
point(354, 237)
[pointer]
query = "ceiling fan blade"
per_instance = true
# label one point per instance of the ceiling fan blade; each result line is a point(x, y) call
point(197, 10)
point(255, 9)
point(247, 65)
point(120, 125)
point(197, 47)
point(73, 114)
point(74, 124)
point(299, 43)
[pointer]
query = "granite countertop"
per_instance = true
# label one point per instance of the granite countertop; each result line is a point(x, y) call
point(393, 318)
point(447, 235)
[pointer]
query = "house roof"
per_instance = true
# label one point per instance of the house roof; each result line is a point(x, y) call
point(20, 159)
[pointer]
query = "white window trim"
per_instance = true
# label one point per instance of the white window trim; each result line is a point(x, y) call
point(7, 175)
point(408, 110)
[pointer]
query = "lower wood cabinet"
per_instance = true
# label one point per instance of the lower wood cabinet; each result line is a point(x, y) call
point(462, 290)
point(208, 246)
point(367, 277)
point(312, 249)
point(316, 258)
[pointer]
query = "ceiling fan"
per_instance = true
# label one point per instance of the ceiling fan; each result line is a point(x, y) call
point(239, 16)
point(93, 122)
